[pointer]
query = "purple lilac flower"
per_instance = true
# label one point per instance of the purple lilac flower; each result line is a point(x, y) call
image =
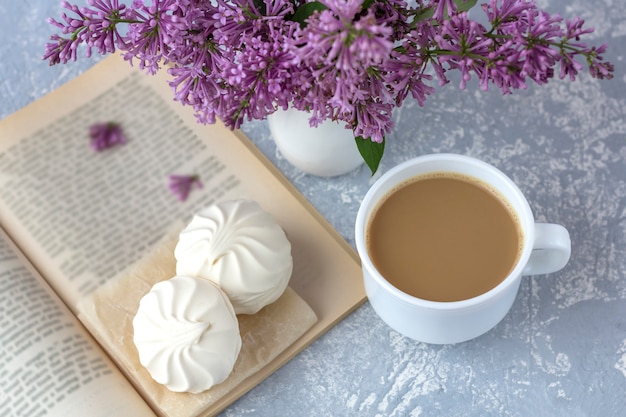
point(197, 62)
point(507, 16)
point(574, 30)
point(351, 60)
point(95, 27)
point(392, 14)
point(181, 185)
point(101, 21)
point(106, 135)
point(407, 72)
point(444, 8)
point(467, 46)
point(529, 43)
point(373, 119)
point(537, 57)
point(260, 75)
point(342, 54)
point(195, 87)
point(597, 68)
point(154, 33)
point(571, 46)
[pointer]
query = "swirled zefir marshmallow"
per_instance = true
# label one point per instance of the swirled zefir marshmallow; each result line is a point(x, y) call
point(187, 334)
point(241, 248)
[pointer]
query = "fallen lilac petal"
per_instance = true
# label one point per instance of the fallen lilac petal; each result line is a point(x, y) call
point(106, 135)
point(181, 185)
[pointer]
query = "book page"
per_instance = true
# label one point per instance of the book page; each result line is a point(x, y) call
point(108, 313)
point(84, 219)
point(89, 215)
point(48, 363)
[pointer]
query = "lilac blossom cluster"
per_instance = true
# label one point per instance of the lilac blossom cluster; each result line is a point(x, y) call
point(347, 60)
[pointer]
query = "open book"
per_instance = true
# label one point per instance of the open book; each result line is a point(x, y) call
point(76, 225)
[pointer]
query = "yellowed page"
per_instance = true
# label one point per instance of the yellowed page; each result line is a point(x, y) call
point(108, 313)
point(49, 364)
point(84, 218)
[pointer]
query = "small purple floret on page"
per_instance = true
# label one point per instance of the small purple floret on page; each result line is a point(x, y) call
point(106, 135)
point(181, 185)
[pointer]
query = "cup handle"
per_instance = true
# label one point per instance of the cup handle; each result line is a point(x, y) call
point(551, 249)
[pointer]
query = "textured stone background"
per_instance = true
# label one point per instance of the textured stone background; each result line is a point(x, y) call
point(562, 349)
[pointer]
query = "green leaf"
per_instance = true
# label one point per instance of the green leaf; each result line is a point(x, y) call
point(306, 10)
point(464, 5)
point(372, 152)
point(260, 6)
point(428, 12)
point(366, 4)
point(423, 14)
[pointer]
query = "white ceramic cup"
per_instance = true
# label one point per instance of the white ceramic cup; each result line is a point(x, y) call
point(546, 249)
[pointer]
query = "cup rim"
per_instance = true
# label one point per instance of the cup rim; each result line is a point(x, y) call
point(522, 209)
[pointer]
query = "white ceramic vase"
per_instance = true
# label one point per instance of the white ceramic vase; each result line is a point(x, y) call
point(327, 150)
